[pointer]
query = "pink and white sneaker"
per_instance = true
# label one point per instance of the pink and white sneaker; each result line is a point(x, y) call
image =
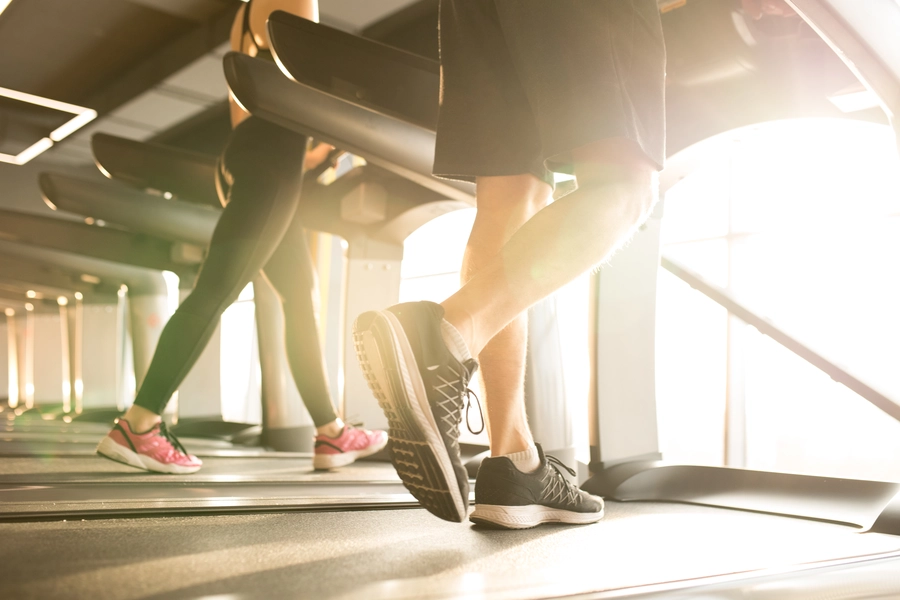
point(352, 444)
point(157, 450)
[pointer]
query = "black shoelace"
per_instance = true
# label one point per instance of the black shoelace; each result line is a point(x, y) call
point(168, 435)
point(468, 370)
point(571, 489)
point(556, 464)
point(469, 395)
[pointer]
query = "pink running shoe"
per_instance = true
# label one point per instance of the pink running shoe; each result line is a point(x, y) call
point(157, 450)
point(353, 443)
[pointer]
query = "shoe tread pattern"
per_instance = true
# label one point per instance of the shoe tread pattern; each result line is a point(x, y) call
point(412, 456)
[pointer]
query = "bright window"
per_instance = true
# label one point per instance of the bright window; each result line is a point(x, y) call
point(800, 220)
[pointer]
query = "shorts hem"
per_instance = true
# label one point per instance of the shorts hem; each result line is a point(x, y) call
point(470, 175)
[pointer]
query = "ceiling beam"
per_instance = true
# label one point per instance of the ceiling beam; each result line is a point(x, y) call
point(163, 63)
point(193, 10)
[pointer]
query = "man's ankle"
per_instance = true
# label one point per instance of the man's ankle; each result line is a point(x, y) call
point(462, 324)
point(527, 461)
point(455, 341)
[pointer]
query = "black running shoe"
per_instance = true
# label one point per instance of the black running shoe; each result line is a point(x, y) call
point(508, 498)
point(422, 389)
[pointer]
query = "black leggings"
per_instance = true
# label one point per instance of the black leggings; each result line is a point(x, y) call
point(262, 166)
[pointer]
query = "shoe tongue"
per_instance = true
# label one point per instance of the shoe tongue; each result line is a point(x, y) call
point(471, 366)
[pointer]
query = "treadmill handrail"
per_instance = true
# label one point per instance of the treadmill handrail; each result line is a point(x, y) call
point(103, 243)
point(392, 143)
point(140, 280)
point(125, 206)
point(145, 165)
point(766, 327)
point(363, 71)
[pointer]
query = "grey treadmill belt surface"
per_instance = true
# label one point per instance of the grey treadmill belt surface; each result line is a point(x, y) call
point(283, 469)
point(92, 486)
point(55, 438)
point(410, 554)
point(80, 447)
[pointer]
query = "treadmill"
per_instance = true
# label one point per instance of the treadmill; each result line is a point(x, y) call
point(651, 548)
point(626, 463)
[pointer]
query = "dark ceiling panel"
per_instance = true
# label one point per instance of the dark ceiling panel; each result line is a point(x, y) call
point(64, 49)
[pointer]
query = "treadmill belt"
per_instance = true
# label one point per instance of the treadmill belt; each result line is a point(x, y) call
point(95, 469)
point(72, 441)
point(410, 554)
point(92, 486)
point(79, 500)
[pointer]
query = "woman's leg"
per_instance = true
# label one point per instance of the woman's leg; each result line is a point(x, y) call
point(265, 189)
point(291, 272)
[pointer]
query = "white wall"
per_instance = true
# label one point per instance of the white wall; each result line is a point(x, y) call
point(98, 365)
point(4, 360)
point(47, 359)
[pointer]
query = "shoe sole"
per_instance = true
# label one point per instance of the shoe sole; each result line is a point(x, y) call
point(526, 517)
point(418, 452)
point(333, 461)
point(113, 451)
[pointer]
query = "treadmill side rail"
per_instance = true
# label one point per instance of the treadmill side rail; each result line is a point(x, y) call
point(850, 501)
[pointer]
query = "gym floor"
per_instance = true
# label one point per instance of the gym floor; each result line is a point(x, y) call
point(407, 554)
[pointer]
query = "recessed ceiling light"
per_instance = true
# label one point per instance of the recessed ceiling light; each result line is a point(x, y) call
point(4, 4)
point(82, 117)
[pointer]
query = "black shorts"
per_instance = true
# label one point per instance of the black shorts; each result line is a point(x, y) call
point(525, 82)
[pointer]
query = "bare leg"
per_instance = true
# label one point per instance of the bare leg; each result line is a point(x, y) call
point(562, 241)
point(504, 205)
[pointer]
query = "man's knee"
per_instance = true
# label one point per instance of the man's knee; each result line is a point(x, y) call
point(620, 173)
point(512, 194)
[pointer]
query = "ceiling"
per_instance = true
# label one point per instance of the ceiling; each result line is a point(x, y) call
point(146, 66)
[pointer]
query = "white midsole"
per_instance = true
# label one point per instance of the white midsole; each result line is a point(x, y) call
point(110, 449)
point(333, 461)
point(522, 517)
point(415, 391)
